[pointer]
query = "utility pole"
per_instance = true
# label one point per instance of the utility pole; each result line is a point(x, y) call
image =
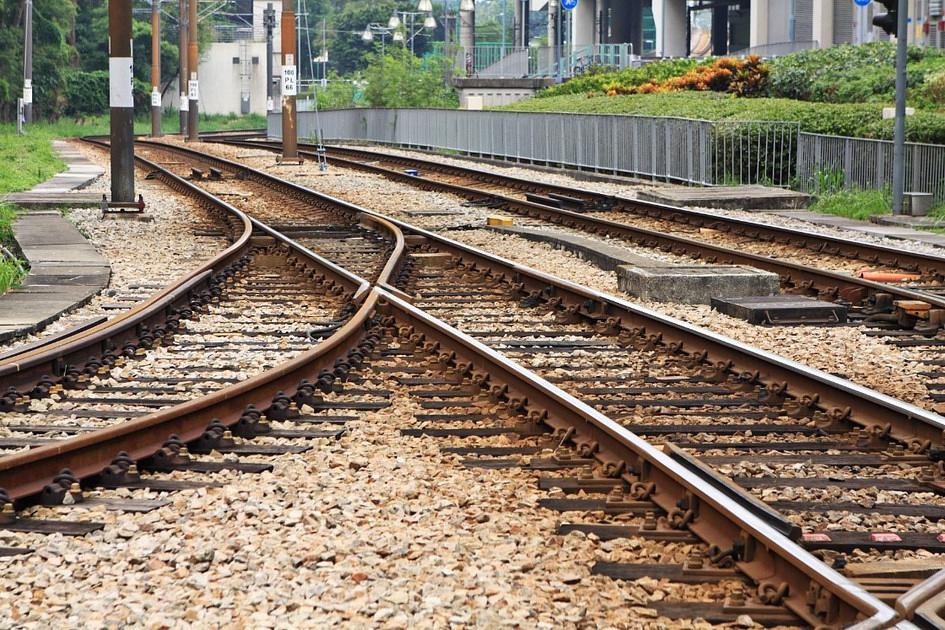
point(182, 62)
point(290, 149)
point(121, 101)
point(896, 22)
point(899, 135)
point(269, 21)
point(156, 68)
point(28, 62)
point(193, 60)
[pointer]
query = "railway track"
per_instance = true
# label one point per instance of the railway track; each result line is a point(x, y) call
point(807, 263)
point(473, 393)
point(726, 419)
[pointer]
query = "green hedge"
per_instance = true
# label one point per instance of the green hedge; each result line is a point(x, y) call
point(598, 78)
point(854, 74)
point(86, 93)
point(847, 119)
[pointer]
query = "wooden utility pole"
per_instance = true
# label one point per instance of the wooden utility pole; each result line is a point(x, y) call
point(28, 62)
point(182, 62)
point(121, 100)
point(156, 68)
point(290, 150)
point(193, 60)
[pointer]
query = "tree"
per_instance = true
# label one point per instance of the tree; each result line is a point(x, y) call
point(399, 79)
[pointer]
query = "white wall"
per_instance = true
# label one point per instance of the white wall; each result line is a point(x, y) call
point(220, 83)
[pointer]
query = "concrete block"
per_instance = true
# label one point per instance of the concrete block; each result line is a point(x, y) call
point(785, 310)
point(695, 284)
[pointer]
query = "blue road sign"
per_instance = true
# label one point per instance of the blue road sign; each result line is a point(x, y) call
point(861, 3)
point(569, 5)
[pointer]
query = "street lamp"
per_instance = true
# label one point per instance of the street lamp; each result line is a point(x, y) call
point(426, 6)
point(371, 29)
point(407, 18)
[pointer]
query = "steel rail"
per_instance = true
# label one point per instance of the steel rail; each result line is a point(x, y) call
point(372, 220)
point(25, 371)
point(24, 474)
point(817, 393)
point(844, 247)
point(826, 284)
point(827, 396)
point(717, 518)
point(769, 556)
point(924, 603)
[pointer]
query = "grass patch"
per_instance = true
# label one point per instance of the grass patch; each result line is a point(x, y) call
point(12, 268)
point(854, 204)
point(29, 159)
point(842, 119)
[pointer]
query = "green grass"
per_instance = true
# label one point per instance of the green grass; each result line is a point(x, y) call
point(845, 119)
point(856, 204)
point(26, 160)
point(12, 270)
point(29, 159)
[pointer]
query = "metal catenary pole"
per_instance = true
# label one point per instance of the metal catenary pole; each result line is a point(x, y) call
point(28, 62)
point(182, 62)
point(899, 137)
point(193, 60)
point(269, 20)
point(289, 140)
point(121, 101)
point(156, 68)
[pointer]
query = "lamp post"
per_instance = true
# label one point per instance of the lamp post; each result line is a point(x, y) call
point(371, 29)
point(407, 17)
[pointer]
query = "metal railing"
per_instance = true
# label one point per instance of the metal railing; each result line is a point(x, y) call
point(826, 163)
point(670, 149)
point(498, 61)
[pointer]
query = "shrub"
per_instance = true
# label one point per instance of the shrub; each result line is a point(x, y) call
point(741, 77)
point(85, 93)
point(599, 81)
point(846, 119)
point(850, 74)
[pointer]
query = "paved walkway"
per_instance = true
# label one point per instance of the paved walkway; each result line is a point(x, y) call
point(788, 203)
point(65, 270)
point(889, 227)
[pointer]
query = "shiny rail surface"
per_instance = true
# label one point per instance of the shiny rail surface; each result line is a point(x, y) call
point(787, 575)
point(575, 208)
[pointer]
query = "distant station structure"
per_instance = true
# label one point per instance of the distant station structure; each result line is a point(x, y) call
point(619, 33)
point(233, 67)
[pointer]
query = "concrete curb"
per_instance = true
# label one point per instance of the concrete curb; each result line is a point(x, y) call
point(65, 269)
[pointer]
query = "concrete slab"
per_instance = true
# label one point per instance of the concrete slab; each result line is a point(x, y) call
point(905, 220)
point(696, 284)
point(785, 310)
point(884, 226)
point(60, 189)
point(65, 270)
point(595, 251)
point(728, 197)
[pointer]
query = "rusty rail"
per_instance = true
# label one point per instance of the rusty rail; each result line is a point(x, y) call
point(771, 558)
point(827, 284)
